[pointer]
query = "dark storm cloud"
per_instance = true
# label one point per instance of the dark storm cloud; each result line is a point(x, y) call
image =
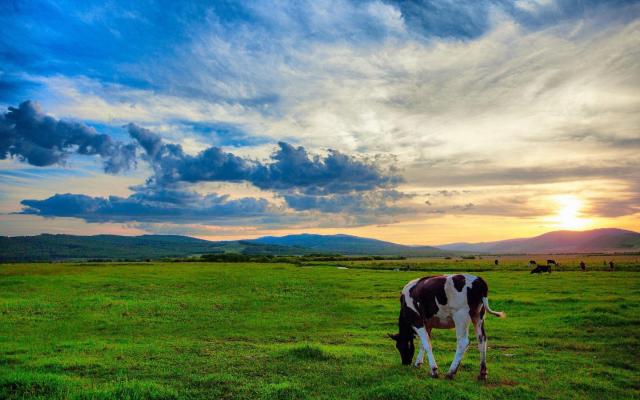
point(171, 164)
point(332, 183)
point(34, 137)
point(291, 168)
point(31, 136)
point(148, 205)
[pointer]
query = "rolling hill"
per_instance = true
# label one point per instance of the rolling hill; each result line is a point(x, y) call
point(592, 241)
point(350, 245)
point(47, 247)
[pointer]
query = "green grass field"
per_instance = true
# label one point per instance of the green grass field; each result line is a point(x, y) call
point(278, 331)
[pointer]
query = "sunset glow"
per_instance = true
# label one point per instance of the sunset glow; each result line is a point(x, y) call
point(569, 213)
point(379, 118)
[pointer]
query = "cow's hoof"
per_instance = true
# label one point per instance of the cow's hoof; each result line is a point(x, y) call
point(450, 376)
point(417, 365)
point(434, 373)
point(482, 377)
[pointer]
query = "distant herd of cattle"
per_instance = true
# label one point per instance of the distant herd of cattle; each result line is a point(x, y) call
point(538, 269)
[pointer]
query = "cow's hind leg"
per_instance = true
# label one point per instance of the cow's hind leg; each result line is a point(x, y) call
point(462, 320)
point(482, 347)
point(425, 339)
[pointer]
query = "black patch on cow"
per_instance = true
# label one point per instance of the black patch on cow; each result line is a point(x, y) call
point(458, 282)
point(404, 338)
point(425, 293)
point(408, 316)
point(475, 293)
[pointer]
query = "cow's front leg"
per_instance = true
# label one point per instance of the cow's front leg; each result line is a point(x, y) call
point(426, 347)
point(462, 320)
point(420, 357)
point(482, 347)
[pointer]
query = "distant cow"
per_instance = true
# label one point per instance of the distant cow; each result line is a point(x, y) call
point(541, 268)
point(551, 262)
point(443, 302)
point(532, 263)
point(611, 266)
point(583, 266)
point(495, 261)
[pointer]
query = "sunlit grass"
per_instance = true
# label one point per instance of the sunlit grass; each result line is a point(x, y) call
point(203, 331)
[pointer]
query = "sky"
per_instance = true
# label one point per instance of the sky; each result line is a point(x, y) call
point(417, 122)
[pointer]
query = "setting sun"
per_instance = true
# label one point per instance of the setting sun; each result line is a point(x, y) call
point(569, 215)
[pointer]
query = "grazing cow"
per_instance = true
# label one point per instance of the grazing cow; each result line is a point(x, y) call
point(541, 268)
point(552, 262)
point(443, 302)
point(583, 266)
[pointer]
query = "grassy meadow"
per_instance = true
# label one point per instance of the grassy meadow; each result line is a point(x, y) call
point(281, 331)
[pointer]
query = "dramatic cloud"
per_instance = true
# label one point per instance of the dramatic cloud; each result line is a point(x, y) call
point(292, 168)
point(163, 205)
point(334, 183)
point(30, 135)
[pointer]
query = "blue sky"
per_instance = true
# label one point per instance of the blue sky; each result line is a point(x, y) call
point(403, 120)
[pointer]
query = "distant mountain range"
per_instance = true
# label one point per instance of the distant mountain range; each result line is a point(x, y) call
point(349, 245)
point(593, 241)
point(47, 247)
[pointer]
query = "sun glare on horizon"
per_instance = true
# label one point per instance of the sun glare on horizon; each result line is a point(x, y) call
point(569, 213)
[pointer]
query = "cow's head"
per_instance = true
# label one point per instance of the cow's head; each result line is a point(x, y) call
point(405, 346)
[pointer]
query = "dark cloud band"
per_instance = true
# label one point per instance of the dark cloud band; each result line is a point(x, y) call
point(292, 168)
point(334, 183)
point(176, 205)
point(41, 140)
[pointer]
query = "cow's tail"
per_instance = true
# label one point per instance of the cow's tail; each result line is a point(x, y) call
point(498, 314)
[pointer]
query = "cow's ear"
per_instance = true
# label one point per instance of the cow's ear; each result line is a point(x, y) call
point(395, 337)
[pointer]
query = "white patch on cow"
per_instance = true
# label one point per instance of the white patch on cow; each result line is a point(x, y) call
point(426, 345)
point(469, 279)
point(462, 321)
point(482, 347)
point(406, 291)
point(420, 357)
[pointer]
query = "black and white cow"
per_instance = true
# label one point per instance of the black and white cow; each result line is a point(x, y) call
point(541, 268)
point(443, 302)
